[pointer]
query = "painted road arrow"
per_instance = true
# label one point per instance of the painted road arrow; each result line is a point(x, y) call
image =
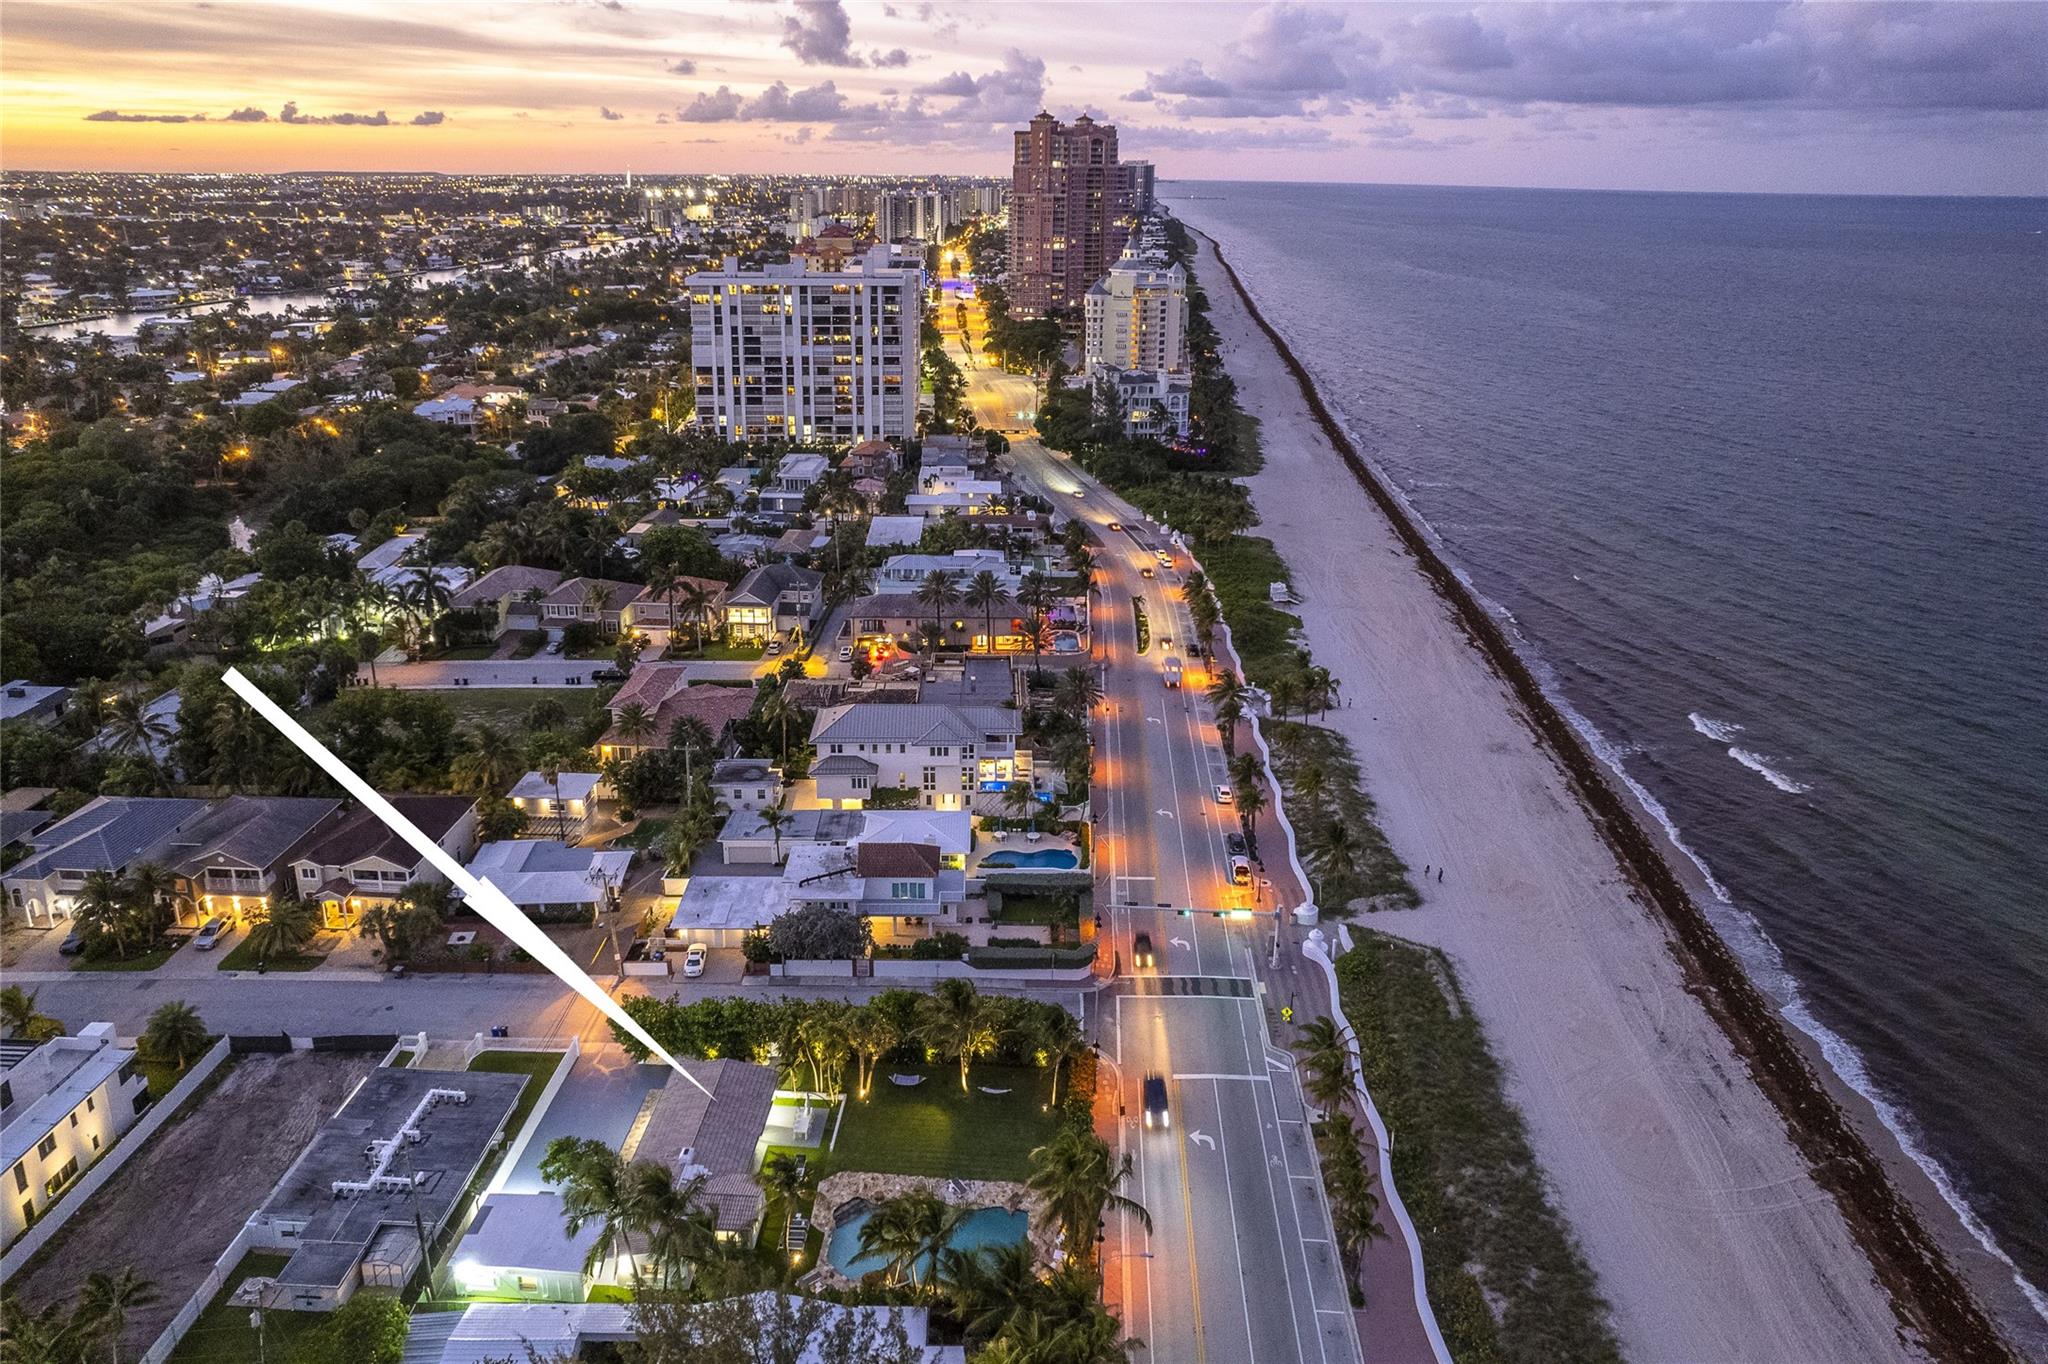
point(1202, 1139)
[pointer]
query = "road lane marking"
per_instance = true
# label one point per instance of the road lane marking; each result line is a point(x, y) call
point(487, 900)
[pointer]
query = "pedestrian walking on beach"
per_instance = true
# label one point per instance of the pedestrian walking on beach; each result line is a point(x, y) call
point(1425, 871)
point(1439, 875)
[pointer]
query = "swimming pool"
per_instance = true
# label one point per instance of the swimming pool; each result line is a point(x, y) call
point(1041, 857)
point(981, 1227)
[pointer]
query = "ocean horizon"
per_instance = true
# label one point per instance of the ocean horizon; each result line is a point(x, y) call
point(1758, 481)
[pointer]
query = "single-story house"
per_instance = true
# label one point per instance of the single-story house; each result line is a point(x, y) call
point(21, 700)
point(550, 880)
point(517, 1247)
point(514, 591)
point(722, 1140)
point(561, 807)
point(895, 532)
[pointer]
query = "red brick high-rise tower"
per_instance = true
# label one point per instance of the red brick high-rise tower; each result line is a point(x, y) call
point(1066, 212)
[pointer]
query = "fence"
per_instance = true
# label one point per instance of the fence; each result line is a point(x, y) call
point(510, 1160)
point(202, 1297)
point(108, 1165)
point(484, 1042)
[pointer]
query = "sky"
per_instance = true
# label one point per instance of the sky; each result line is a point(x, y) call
point(1949, 97)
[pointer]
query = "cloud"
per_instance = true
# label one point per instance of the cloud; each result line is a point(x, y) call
point(719, 106)
point(779, 104)
point(249, 115)
point(895, 56)
point(682, 66)
point(820, 34)
point(428, 118)
point(1013, 92)
point(1139, 96)
point(290, 114)
point(116, 116)
point(608, 115)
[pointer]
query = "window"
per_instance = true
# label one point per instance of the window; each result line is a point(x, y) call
point(528, 1284)
point(908, 890)
point(46, 1146)
point(89, 1103)
point(21, 1176)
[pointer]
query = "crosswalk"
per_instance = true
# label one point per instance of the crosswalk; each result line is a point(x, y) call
point(1219, 987)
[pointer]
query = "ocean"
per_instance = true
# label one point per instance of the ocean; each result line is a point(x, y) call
point(1762, 482)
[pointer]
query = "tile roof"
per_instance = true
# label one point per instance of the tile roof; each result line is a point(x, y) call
point(896, 859)
point(685, 1129)
point(510, 580)
point(362, 834)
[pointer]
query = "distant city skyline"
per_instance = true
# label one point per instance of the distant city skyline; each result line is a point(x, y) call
point(1876, 98)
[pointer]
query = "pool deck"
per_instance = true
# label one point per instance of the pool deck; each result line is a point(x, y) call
point(864, 1189)
point(987, 845)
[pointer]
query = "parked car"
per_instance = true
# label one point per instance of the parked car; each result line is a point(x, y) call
point(1223, 793)
point(846, 653)
point(1165, 559)
point(73, 944)
point(607, 675)
point(1155, 1103)
point(1141, 950)
point(1234, 844)
point(554, 647)
point(775, 646)
point(210, 933)
point(693, 959)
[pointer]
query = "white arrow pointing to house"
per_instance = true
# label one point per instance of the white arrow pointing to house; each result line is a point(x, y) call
point(1202, 1139)
point(486, 899)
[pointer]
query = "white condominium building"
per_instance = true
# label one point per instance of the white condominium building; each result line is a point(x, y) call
point(807, 355)
point(1136, 317)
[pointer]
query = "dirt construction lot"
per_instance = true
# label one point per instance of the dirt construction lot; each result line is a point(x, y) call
point(179, 1202)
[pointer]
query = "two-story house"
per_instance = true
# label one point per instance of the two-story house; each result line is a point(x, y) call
point(110, 833)
point(360, 863)
point(900, 888)
point(746, 784)
point(559, 808)
point(657, 614)
point(513, 592)
point(62, 1105)
point(589, 601)
point(892, 620)
point(792, 481)
point(941, 754)
point(239, 854)
point(665, 698)
point(771, 600)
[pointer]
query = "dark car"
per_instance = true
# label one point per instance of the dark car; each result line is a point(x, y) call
point(1155, 1103)
point(73, 943)
point(1234, 844)
point(607, 675)
point(1141, 950)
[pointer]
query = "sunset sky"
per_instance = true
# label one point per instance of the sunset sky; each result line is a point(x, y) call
point(1935, 98)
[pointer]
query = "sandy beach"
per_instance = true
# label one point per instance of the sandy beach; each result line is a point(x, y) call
point(1711, 1237)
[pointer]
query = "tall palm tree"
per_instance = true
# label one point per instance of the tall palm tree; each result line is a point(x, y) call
point(490, 761)
point(960, 1022)
point(137, 732)
point(1080, 690)
point(990, 1287)
point(984, 590)
point(105, 908)
point(911, 1230)
point(1077, 1180)
point(175, 1032)
point(775, 819)
point(1251, 803)
point(671, 1219)
point(1060, 1040)
point(107, 1299)
point(281, 927)
point(1326, 1060)
point(633, 723)
point(237, 735)
point(696, 601)
point(1332, 854)
point(594, 1186)
point(1036, 596)
point(937, 594)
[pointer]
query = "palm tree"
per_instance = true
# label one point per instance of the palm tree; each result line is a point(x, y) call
point(1332, 854)
point(104, 909)
point(175, 1032)
point(983, 592)
point(1080, 690)
point(546, 713)
point(425, 597)
point(990, 1287)
point(594, 1186)
point(872, 1034)
point(911, 1230)
point(774, 818)
point(696, 601)
point(107, 1299)
point(1308, 782)
point(237, 735)
point(1077, 1180)
point(670, 1217)
point(138, 732)
point(1326, 1058)
point(1286, 694)
point(785, 1177)
point(1060, 1040)
point(960, 1022)
point(1226, 694)
point(633, 723)
point(1251, 803)
point(490, 761)
point(22, 1019)
point(1020, 800)
point(153, 889)
point(938, 592)
point(551, 773)
point(1035, 594)
point(281, 928)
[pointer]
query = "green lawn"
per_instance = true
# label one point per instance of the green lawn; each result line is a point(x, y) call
point(645, 834)
point(506, 707)
point(724, 652)
point(933, 1129)
point(222, 1335)
point(537, 1065)
point(243, 958)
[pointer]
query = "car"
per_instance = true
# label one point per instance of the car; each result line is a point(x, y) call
point(210, 933)
point(1165, 559)
point(73, 944)
point(607, 675)
point(1234, 844)
point(693, 959)
point(554, 647)
point(1141, 950)
point(1223, 793)
point(774, 646)
point(1116, 525)
point(1156, 1114)
point(1146, 572)
point(1166, 641)
point(846, 653)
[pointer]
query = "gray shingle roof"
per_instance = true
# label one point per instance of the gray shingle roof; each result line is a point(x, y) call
point(253, 831)
point(687, 1129)
point(108, 834)
point(873, 722)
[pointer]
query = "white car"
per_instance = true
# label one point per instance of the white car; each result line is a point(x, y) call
point(846, 653)
point(693, 959)
point(1223, 795)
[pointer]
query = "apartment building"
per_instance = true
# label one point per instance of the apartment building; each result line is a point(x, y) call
point(1136, 317)
point(62, 1104)
point(1065, 212)
point(807, 355)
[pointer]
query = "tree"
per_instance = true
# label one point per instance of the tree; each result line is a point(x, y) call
point(937, 594)
point(1077, 1180)
point(765, 1328)
point(153, 889)
point(490, 761)
point(818, 932)
point(1251, 803)
point(370, 1328)
point(594, 1185)
point(991, 1287)
point(1332, 854)
point(401, 928)
point(1079, 692)
point(176, 1034)
point(984, 590)
point(872, 1034)
point(910, 1231)
point(281, 927)
point(775, 819)
point(1060, 1040)
point(138, 732)
point(107, 1299)
point(960, 1022)
point(679, 1231)
point(105, 911)
point(22, 1019)
point(1326, 1060)
point(633, 723)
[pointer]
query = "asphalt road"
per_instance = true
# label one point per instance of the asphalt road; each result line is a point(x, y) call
point(1239, 1263)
